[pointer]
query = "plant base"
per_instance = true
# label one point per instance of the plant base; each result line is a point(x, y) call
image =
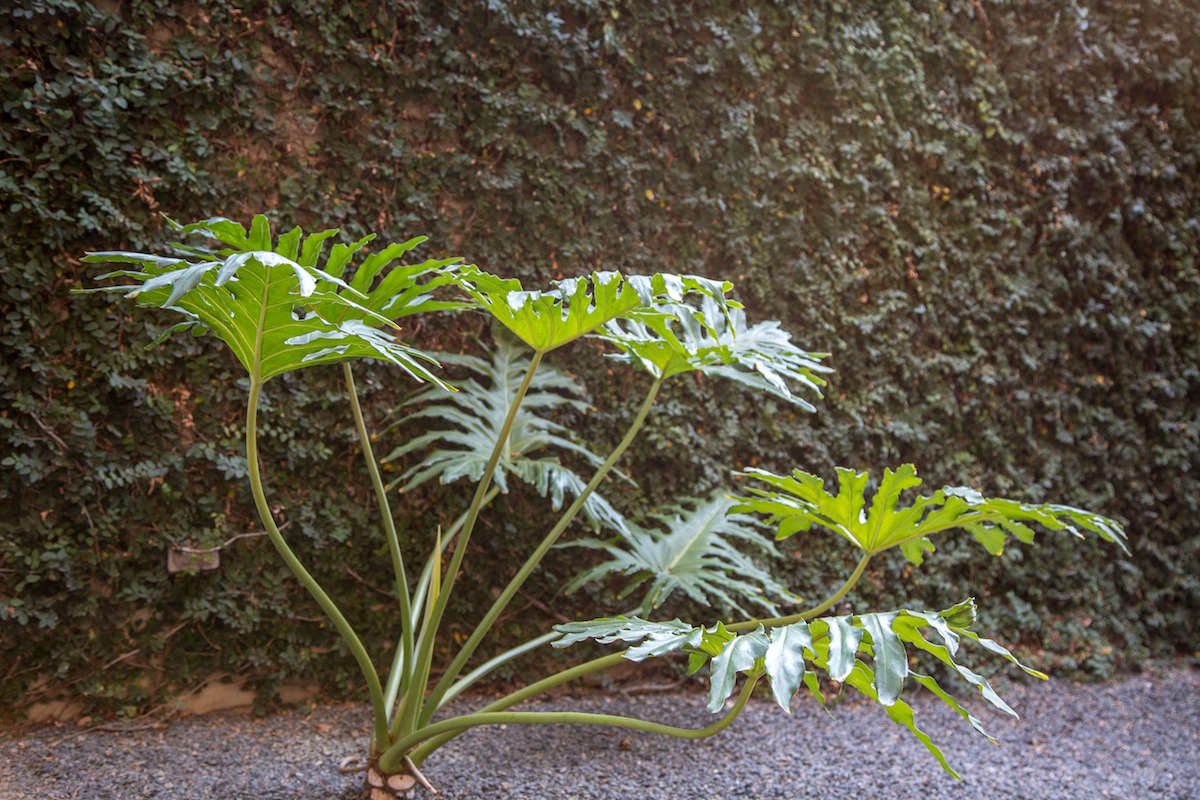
point(389, 787)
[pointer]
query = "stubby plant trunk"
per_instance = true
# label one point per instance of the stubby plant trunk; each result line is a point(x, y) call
point(389, 787)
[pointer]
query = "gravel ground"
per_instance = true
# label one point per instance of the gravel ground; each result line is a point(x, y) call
point(1135, 738)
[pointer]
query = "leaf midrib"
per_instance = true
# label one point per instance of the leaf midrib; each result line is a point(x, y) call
point(670, 568)
point(256, 366)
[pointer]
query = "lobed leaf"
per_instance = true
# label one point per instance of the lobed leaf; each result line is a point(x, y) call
point(798, 501)
point(469, 421)
point(741, 654)
point(574, 307)
point(863, 679)
point(890, 657)
point(652, 638)
point(274, 307)
point(840, 641)
point(784, 660)
point(839, 646)
point(675, 338)
point(692, 550)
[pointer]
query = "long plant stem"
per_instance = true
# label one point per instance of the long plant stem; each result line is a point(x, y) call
point(832, 600)
point(483, 669)
point(402, 667)
point(447, 539)
point(816, 610)
point(532, 690)
point(425, 648)
point(323, 600)
point(395, 754)
point(604, 662)
point(422, 751)
point(489, 619)
point(405, 650)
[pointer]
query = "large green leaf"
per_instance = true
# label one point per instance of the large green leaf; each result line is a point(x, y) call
point(682, 338)
point(799, 501)
point(462, 429)
point(691, 549)
point(868, 652)
point(574, 307)
point(275, 308)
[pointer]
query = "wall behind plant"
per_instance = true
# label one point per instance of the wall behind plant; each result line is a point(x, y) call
point(986, 211)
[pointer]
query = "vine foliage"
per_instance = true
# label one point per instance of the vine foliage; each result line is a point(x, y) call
point(985, 212)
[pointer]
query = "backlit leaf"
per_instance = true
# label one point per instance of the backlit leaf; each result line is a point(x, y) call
point(275, 312)
point(796, 502)
point(574, 307)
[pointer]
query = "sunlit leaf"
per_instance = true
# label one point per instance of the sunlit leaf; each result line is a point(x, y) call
point(798, 501)
point(274, 307)
point(574, 307)
point(676, 338)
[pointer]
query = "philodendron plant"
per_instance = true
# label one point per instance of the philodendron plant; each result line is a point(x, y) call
point(282, 304)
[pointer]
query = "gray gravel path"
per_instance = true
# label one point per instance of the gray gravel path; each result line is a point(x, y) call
point(1134, 738)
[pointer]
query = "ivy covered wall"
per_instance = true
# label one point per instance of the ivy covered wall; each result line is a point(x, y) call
point(986, 210)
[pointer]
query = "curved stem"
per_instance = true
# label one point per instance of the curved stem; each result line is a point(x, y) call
point(416, 689)
point(816, 610)
point(830, 601)
point(545, 684)
point(402, 667)
point(394, 755)
point(432, 743)
point(486, 667)
point(485, 625)
point(398, 677)
point(427, 571)
point(327, 605)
